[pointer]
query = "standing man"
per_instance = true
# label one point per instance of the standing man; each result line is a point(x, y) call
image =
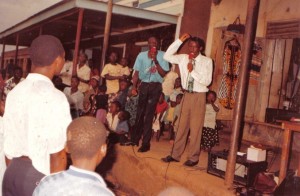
point(12, 82)
point(113, 72)
point(35, 121)
point(196, 75)
point(83, 72)
point(150, 68)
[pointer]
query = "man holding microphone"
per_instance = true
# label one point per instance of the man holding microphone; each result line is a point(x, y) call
point(196, 75)
point(150, 68)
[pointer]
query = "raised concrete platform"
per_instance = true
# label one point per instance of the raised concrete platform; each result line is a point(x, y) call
point(146, 174)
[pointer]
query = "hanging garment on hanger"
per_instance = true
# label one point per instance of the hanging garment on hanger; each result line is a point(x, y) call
point(231, 65)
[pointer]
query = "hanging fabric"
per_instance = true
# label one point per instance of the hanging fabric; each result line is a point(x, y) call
point(232, 61)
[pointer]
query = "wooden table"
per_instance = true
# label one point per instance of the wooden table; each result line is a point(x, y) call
point(288, 127)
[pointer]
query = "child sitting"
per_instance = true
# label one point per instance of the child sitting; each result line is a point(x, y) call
point(123, 92)
point(86, 137)
point(112, 118)
point(120, 134)
point(101, 103)
point(161, 107)
point(210, 134)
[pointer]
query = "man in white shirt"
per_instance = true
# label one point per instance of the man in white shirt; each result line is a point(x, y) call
point(83, 72)
point(75, 97)
point(12, 82)
point(196, 75)
point(35, 121)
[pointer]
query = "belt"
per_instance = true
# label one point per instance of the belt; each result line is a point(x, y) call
point(151, 83)
point(191, 92)
point(24, 157)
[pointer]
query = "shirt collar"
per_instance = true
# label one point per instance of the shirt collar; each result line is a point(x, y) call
point(197, 59)
point(36, 76)
point(87, 172)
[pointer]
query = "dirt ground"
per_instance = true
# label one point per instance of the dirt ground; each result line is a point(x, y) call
point(133, 173)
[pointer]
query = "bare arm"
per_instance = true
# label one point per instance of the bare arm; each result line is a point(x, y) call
point(135, 79)
point(58, 161)
point(109, 77)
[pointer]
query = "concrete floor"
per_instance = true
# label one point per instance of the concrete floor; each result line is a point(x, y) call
point(145, 173)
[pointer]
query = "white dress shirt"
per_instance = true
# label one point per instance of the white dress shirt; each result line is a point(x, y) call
point(75, 99)
point(35, 121)
point(202, 72)
point(66, 73)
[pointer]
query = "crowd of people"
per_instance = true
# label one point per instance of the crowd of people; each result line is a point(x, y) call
point(58, 104)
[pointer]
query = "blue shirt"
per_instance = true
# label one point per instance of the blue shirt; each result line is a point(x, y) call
point(72, 182)
point(143, 65)
point(122, 126)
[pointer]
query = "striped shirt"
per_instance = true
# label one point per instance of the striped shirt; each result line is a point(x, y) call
point(73, 182)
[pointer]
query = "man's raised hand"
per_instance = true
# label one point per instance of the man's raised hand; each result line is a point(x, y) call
point(184, 37)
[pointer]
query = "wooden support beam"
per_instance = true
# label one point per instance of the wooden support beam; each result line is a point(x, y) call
point(77, 42)
point(3, 54)
point(17, 49)
point(242, 88)
point(106, 33)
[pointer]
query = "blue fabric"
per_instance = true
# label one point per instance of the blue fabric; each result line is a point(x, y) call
point(72, 182)
point(122, 126)
point(143, 64)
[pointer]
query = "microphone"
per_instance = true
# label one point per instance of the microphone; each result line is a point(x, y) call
point(191, 55)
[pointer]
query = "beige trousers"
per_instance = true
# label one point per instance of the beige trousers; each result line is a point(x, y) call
point(191, 119)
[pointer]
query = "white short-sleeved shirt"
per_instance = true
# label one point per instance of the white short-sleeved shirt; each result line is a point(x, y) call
point(2, 159)
point(66, 73)
point(35, 121)
point(84, 73)
point(75, 99)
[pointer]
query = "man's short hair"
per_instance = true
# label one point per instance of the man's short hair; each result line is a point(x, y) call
point(45, 49)
point(85, 136)
point(199, 41)
point(17, 68)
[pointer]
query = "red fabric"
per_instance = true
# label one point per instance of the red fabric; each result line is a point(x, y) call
point(160, 107)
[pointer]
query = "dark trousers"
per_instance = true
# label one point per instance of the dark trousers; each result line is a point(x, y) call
point(20, 178)
point(149, 94)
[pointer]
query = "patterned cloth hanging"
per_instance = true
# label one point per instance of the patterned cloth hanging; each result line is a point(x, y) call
point(232, 61)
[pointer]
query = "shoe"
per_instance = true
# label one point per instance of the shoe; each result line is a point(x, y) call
point(169, 159)
point(190, 163)
point(144, 149)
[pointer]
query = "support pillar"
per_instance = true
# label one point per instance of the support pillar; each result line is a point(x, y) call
point(3, 54)
point(17, 49)
point(106, 33)
point(239, 109)
point(77, 41)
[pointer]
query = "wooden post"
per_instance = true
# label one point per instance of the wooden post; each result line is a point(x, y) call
point(3, 52)
point(239, 108)
point(77, 41)
point(17, 49)
point(106, 33)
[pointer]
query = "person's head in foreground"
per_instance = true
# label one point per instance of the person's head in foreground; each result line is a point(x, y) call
point(47, 55)
point(176, 191)
point(86, 144)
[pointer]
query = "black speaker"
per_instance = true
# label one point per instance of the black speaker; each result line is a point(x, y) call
point(245, 171)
